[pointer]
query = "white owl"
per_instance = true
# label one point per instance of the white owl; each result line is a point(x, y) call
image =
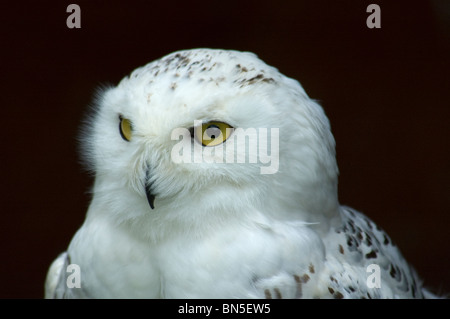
point(216, 177)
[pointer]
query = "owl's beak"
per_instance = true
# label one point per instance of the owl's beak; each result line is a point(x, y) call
point(148, 191)
point(150, 196)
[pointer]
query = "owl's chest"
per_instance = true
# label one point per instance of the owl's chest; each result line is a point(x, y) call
point(231, 263)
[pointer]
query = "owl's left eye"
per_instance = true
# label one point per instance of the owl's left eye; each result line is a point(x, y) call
point(125, 129)
point(212, 133)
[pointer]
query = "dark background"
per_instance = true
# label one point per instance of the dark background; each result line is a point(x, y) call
point(386, 92)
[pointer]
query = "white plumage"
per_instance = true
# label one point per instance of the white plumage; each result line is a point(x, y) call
point(157, 228)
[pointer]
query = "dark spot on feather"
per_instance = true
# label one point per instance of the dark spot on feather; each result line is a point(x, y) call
point(277, 293)
point(341, 249)
point(386, 239)
point(298, 293)
point(392, 272)
point(413, 289)
point(352, 225)
point(368, 239)
point(268, 80)
point(371, 255)
point(349, 241)
point(338, 295)
point(311, 268)
point(267, 294)
point(255, 78)
point(399, 277)
point(359, 236)
point(369, 224)
point(241, 68)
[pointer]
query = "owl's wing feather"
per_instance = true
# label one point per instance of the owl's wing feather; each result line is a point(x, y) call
point(55, 276)
point(56, 282)
point(359, 243)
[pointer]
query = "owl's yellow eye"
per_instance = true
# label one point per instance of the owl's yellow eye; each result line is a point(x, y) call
point(125, 129)
point(212, 133)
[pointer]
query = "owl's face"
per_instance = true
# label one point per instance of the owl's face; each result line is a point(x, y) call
point(204, 133)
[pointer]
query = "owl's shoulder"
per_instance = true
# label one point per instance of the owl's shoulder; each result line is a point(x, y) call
point(363, 261)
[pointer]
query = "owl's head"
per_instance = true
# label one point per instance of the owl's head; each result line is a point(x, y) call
point(209, 134)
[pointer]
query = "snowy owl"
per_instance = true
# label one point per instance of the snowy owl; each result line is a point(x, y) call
point(216, 177)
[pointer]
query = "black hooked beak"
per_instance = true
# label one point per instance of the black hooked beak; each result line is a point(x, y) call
point(148, 190)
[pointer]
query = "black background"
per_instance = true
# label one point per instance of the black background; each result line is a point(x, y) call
point(385, 91)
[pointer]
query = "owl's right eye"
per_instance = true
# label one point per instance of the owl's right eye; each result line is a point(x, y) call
point(212, 133)
point(125, 129)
